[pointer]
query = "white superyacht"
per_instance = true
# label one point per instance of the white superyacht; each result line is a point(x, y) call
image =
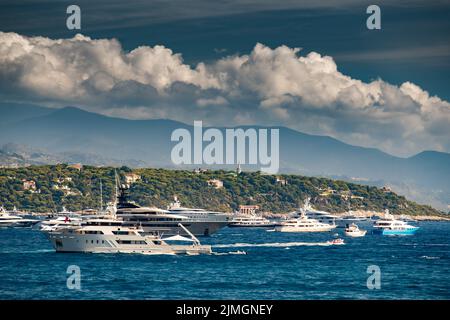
point(303, 224)
point(321, 216)
point(167, 222)
point(114, 236)
point(8, 220)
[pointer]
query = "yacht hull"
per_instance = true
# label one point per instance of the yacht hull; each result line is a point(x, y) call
point(386, 232)
point(109, 244)
point(358, 234)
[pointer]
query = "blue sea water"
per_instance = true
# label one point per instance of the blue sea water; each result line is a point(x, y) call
point(278, 267)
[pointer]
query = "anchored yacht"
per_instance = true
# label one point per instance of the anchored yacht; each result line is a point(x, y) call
point(60, 223)
point(8, 220)
point(114, 236)
point(206, 222)
point(321, 216)
point(353, 230)
point(303, 224)
point(164, 221)
point(390, 226)
point(251, 221)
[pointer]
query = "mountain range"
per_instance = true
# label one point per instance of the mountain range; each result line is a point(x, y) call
point(36, 135)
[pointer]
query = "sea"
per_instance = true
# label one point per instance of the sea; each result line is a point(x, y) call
point(248, 263)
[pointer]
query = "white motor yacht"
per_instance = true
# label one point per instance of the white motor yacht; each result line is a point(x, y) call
point(303, 224)
point(203, 222)
point(391, 226)
point(113, 236)
point(60, 223)
point(8, 220)
point(353, 230)
point(311, 212)
point(250, 220)
point(164, 221)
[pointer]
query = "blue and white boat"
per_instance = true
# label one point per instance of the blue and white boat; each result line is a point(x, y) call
point(393, 227)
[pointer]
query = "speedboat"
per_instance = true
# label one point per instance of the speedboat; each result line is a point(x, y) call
point(8, 220)
point(114, 236)
point(303, 224)
point(391, 226)
point(336, 242)
point(353, 230)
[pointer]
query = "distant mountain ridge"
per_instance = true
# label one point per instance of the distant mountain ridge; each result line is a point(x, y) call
point(73, 135)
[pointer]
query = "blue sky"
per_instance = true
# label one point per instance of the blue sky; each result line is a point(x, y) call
point(412, 47)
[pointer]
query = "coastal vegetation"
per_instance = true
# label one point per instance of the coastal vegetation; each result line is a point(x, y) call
point(48, 188)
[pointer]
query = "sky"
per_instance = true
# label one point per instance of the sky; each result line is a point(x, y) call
point(308, 65)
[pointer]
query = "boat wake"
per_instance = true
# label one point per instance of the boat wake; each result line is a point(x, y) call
point(429, 257)
point(273, 244)
point(29, 251)
point(228, 253)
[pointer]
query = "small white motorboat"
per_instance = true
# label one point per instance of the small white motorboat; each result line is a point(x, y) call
point(353, 230)
point(336, 242)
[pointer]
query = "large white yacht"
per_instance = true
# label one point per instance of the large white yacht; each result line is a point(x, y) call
point(59, 223)
point(250, 220)
point(206, 222)
point(354, 231)
point(166, 222)
point(8, 220)
point(391, 226)
point(114, 236)
point(303, 224)
point(321, 216)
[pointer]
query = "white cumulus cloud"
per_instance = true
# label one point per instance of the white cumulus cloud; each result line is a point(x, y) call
point(273, 86)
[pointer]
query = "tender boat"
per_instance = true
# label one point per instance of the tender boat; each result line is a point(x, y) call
point(390, 226)
point(114, 236)
point(303, 224)
point(336, 242)
point(353, 230)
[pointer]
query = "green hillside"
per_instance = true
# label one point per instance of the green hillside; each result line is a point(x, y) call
point(63, 185)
